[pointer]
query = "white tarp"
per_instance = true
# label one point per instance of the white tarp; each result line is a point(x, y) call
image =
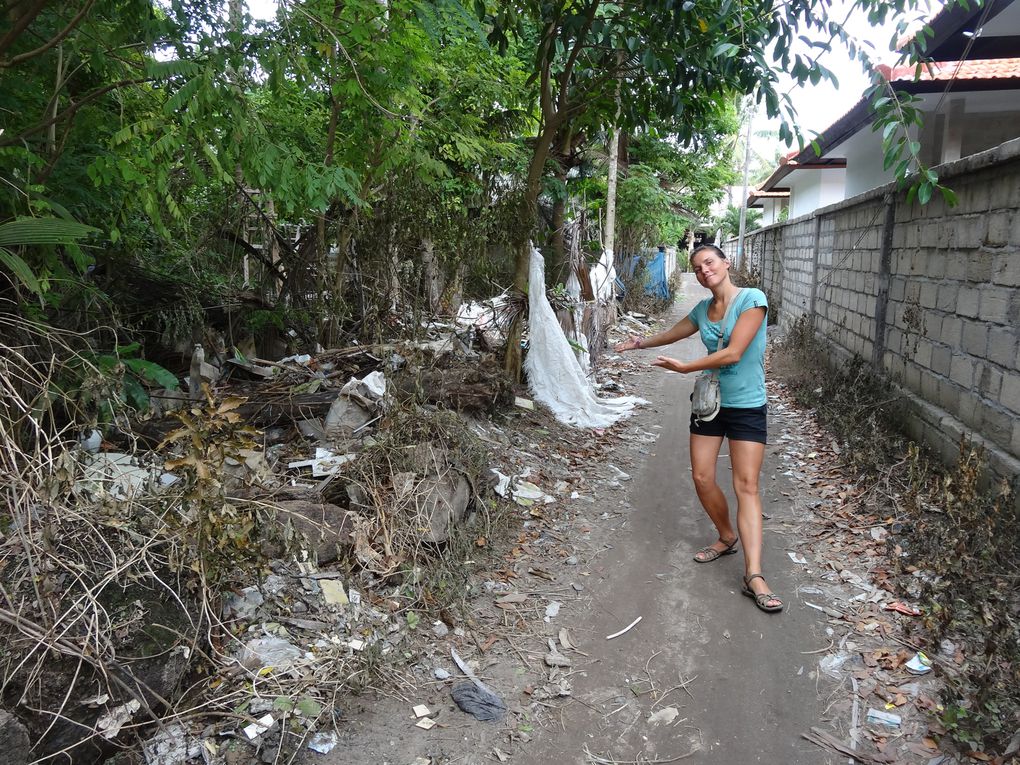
point(555, 377)
point(603, 277)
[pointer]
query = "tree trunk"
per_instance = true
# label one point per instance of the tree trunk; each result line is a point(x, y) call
point(609, 237)
point(528, 214)
point(432, 275)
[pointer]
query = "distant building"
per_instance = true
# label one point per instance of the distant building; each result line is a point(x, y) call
point(969, 97)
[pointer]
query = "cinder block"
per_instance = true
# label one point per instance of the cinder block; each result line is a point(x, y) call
point(975, 339)
point(936, 266)
point(923, 354)
point(968, 302)
point(929, 386)
point(1006, 269)
point(949, 396)
point(990, 381)
point(930, 235)
point(1009, 396)
point(929, 294)
point(968, 411)
point(951, 332)
point(974, 197)
point(996, 426)
point(912, 378)
point(941, 360)
point(894, 340)
point(995, 303)
point(1014, 446)
point(997, 233)
point(948, 293)
point(979, 267)
point(1002, 346)
point(961, 371)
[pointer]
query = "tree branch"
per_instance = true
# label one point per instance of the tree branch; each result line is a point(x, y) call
point(20, 24)
point(46, 46)
point(70, 110)
point(568, 70)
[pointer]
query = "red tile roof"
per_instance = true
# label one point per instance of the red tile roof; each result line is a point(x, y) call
point(985, 69)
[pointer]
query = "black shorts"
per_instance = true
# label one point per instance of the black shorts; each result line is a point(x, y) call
point(736, 424)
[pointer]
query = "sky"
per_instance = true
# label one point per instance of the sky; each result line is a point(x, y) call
point(818, 106)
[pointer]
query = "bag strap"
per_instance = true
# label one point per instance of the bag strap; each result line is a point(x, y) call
point(722, 325)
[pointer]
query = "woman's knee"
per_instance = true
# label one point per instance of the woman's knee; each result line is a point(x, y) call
point(703, 479)
point(745, 484)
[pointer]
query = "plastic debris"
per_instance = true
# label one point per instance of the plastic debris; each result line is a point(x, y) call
point(324, 464)
point(476, 698)
point(664, 716)
point(833, 663)
point(524, 403)
point(333, 592)
point(323, 743)
point(903, 608)
point(556, 659)
point(628, 628)
point(269, 652)
point(884, 718)
point(420, 710)
point(425, 723)
point(919, 664)
point(797, 558)
point(109, 725)
point(171, 745)
point(243, 605)
point(554, 375)
point(441, 674)
point(258, 727)
point(480, 703)
point(552, 610)
point(618, 474)
point(520, 491)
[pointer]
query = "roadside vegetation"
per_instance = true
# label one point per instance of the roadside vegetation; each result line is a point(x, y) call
point(954, 536)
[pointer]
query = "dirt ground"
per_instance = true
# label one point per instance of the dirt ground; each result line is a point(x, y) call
point(704, 676)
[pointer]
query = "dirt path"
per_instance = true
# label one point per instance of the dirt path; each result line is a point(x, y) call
point(748, 691)
point(704, 677)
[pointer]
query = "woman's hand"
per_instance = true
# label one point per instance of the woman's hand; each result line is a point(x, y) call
point(631, 343)
point(673, 365)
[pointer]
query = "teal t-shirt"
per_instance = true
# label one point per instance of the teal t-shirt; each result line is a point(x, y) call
point(742, 384)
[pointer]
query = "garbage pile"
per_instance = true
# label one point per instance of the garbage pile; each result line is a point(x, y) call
point(199, 540)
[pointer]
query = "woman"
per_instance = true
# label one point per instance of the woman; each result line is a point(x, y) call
point(739, 314)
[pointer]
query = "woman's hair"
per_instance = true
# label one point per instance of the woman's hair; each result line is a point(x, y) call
point(712, 247)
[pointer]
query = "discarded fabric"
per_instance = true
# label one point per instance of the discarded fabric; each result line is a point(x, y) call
point(554, 375)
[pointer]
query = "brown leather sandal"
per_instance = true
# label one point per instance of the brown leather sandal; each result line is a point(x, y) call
point(761, 599)
point(709, 554)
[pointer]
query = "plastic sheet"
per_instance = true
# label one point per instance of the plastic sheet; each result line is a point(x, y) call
point(555, 377)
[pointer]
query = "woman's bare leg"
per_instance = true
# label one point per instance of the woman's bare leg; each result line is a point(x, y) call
point(746, 459)
point(704, 456)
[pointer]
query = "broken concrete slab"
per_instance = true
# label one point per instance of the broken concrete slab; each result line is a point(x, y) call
point(327, 527)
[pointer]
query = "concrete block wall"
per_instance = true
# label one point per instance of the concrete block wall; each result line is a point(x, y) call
point(954, 305)
point(797, 270)
point(846, 294)
point(929, 294)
